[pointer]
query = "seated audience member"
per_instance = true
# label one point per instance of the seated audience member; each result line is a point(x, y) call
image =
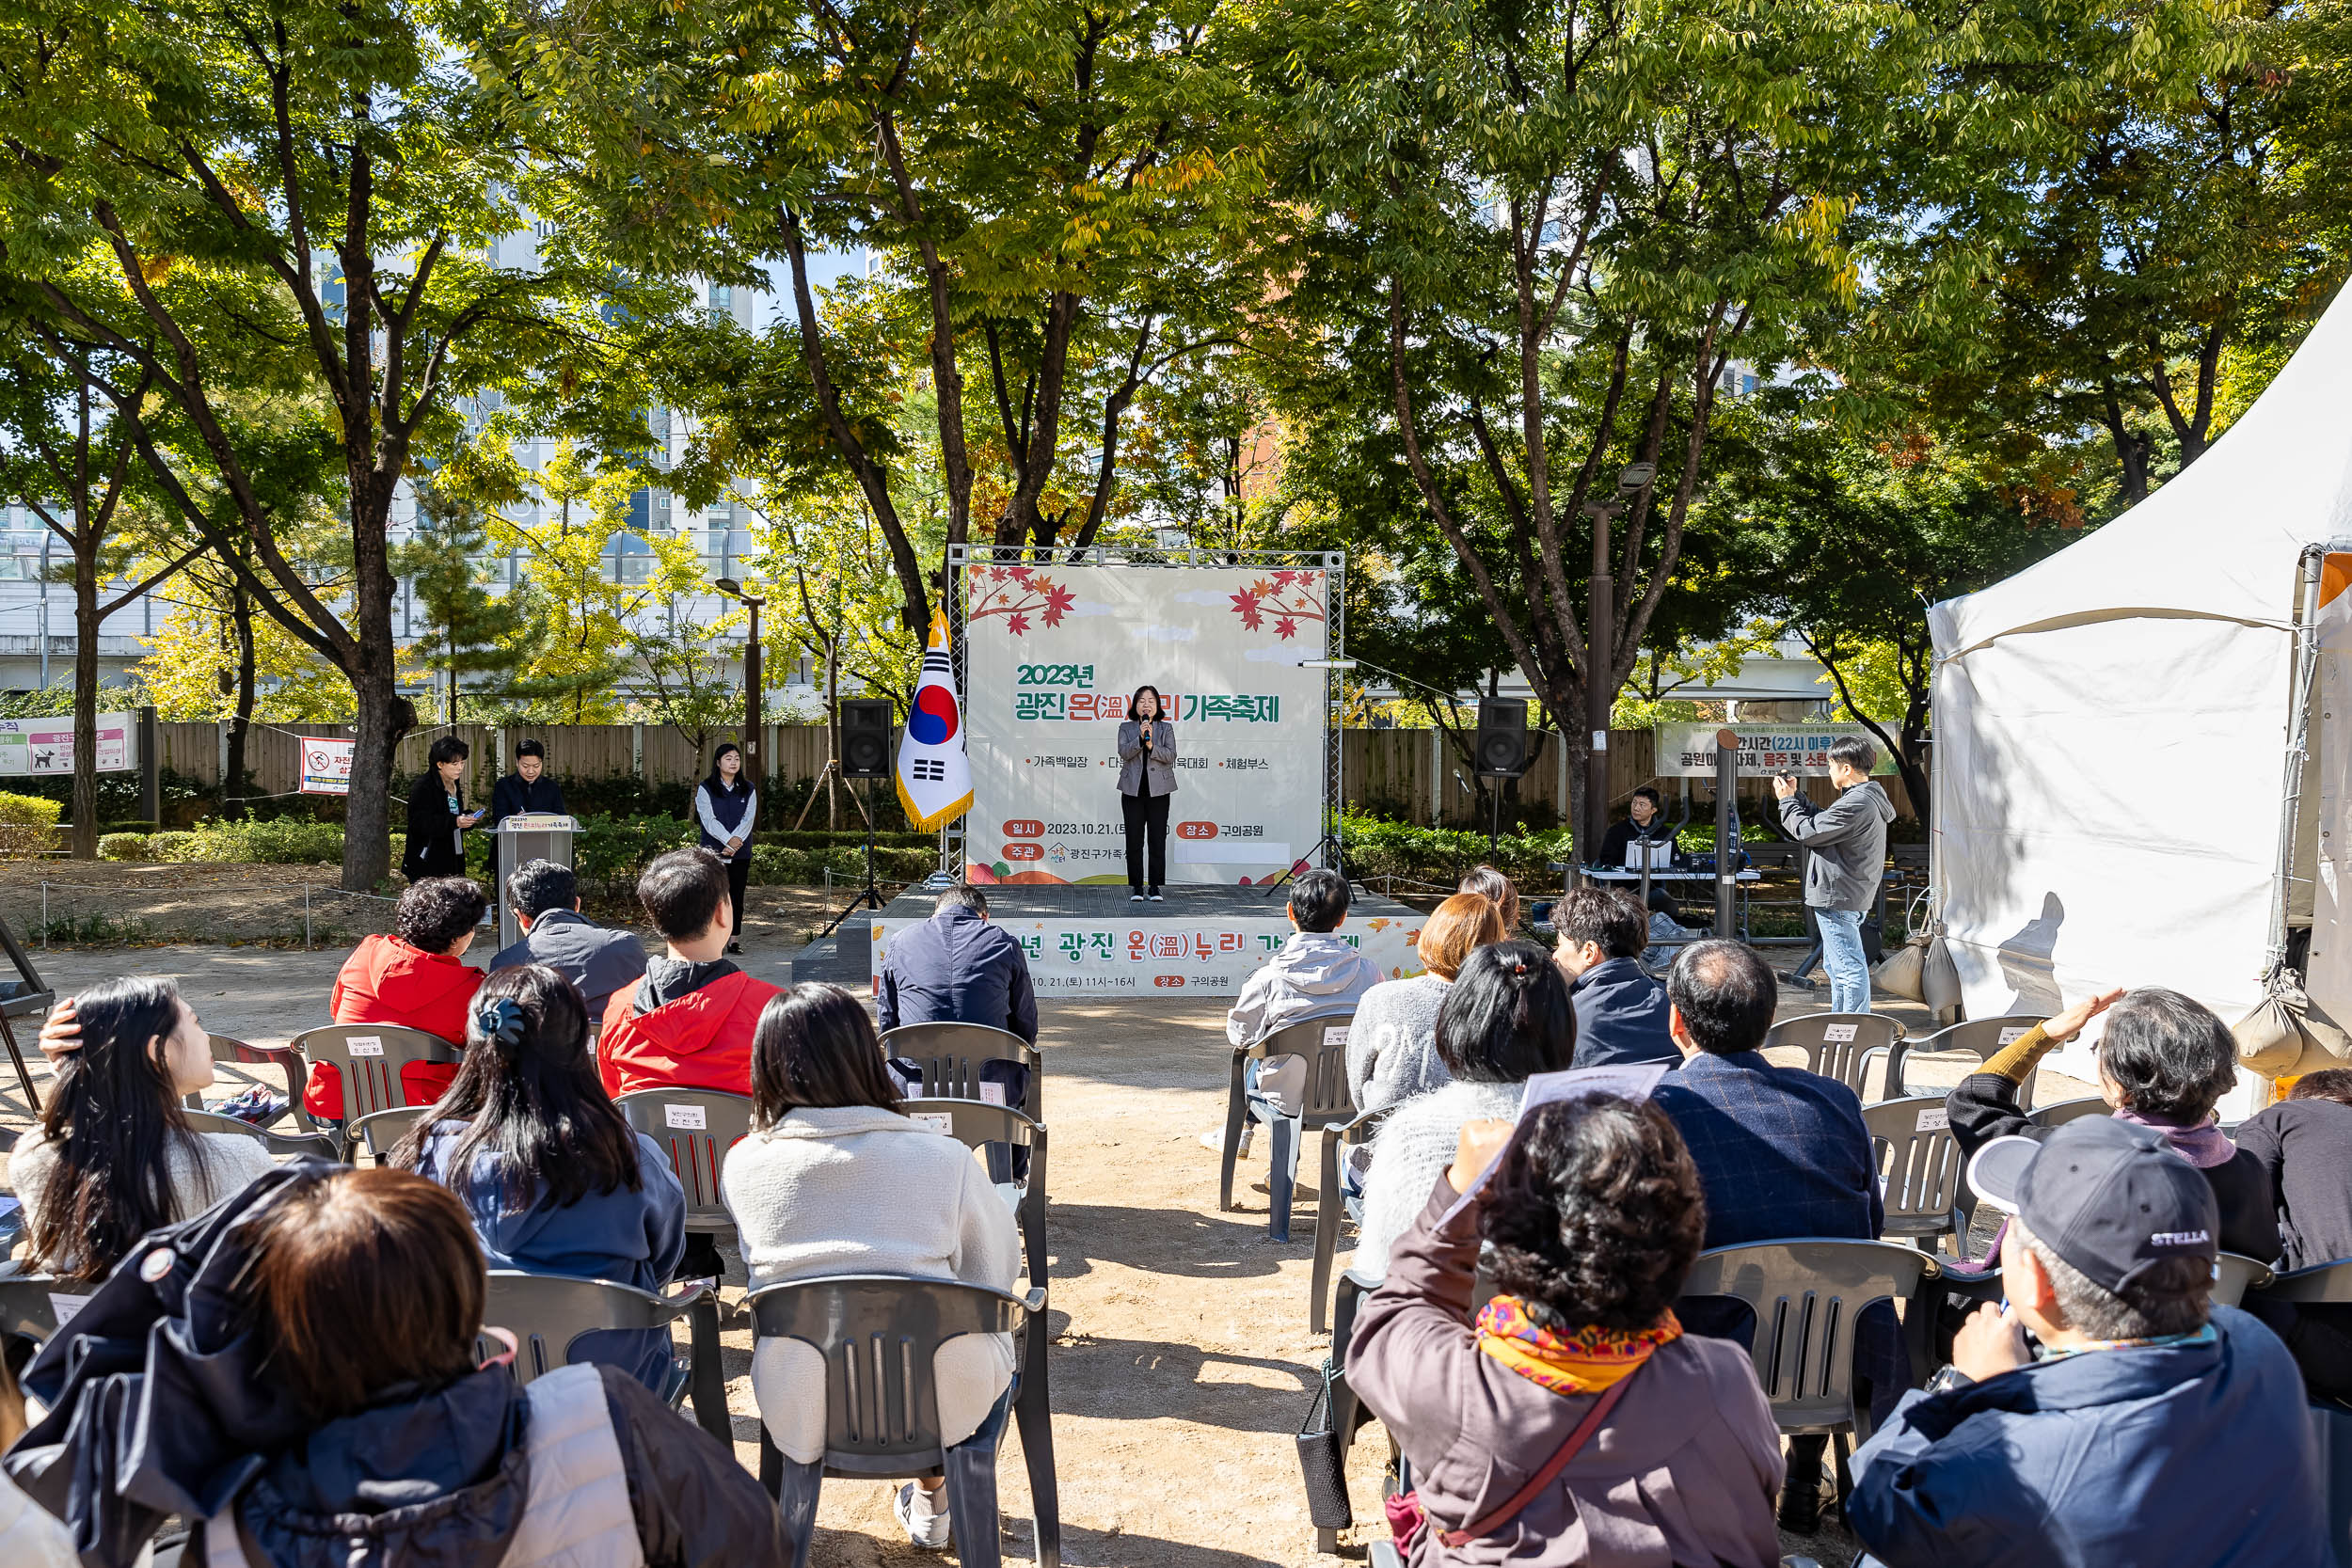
point(1506, 1018)
point(1497, 888)
point(835, 1179)
point(546, 900)
point(1780, 1152)
point(1393, 1039)
point(30, 1535)
point(112, 1156)
point(1620, 1011)
point(418, 979)
point(957, 967)
point(2165, 1061)
point(2138, 1424)
point(1316, 973)
point(1587, 1229)
point(689, 1022)
point(2304, 1144)
point(555, 1181)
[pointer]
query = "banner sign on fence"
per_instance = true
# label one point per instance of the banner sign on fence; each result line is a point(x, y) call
point(326, 766)
point(1052, 656)
point(1688, 750)
point(1113, 957)
point(34, 746)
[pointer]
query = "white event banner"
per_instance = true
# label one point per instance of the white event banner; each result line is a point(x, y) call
point(34, 746)
point(1053, 654)
point(1162, 954)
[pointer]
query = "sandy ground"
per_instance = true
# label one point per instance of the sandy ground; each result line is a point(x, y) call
point(1182, 1364)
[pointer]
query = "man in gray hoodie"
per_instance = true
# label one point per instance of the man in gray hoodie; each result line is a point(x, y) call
point(1847, 838)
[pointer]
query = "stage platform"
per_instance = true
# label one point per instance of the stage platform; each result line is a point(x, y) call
point(1091, 939)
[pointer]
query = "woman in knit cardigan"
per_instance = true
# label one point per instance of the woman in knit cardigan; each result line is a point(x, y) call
point(1507, 1017)
point(1393, 1039)
point(835, 1179)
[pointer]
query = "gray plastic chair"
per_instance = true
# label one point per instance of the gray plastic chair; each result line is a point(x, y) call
point(1806, 1294)
point(317, 1145)
point(1323, 1041)
point(2067, 1110)
point(696, 1128)
point(548, 1314)
point(380, 1130)
point(26, 1308)
point(950, 1055)
point(2234, 1274)
point(1348, 1415)
point(369, 1057)
point(1331, 1209)
point(1839, 1045)
point(976, 1124)
point(2321, 1285)
point(285, 1058)
point(878, 1335)
point(1920, 1165)
point(1981, 1037)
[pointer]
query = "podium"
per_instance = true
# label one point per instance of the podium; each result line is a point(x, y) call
point(523, 838)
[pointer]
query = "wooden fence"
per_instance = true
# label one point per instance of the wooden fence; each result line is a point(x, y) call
point(1415, 774)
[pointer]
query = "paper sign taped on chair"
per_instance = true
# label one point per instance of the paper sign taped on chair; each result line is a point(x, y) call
point(1933, 1118)
point(2012, 1035)
point(1840, 1034)
point(365, 1045)
point(938, 1121)
point(689, 1118)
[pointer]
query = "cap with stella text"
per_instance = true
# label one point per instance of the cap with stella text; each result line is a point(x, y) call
point(2105, 1196)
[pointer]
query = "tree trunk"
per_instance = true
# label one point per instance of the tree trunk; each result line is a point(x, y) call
point(234, 804)
point(383, 714)
point(85, 835)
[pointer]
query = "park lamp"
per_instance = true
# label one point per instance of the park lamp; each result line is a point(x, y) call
point(1636, 476)
point(751, 680)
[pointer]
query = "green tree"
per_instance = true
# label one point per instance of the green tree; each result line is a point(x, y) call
point(470, 633)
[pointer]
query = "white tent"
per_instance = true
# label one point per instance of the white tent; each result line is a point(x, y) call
point(2114, 786)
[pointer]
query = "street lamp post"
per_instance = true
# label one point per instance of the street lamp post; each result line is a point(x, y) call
point(751, 759)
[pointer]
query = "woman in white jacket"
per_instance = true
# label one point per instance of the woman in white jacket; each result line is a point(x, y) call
point(835, 1180)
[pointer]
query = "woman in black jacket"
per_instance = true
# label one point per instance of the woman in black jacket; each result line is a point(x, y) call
point(437, 817)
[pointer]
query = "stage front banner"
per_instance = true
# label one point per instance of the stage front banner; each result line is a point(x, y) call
point(1052, 654)
point(1169, 956)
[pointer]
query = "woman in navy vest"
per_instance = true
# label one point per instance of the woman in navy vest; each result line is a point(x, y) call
point(727, 805)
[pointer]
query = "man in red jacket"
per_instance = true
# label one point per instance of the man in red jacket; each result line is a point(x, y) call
point(418, 979)
point(689, 1022)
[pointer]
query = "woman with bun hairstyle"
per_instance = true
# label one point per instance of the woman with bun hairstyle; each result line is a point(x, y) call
point(554, 1178)
point(1147, 777)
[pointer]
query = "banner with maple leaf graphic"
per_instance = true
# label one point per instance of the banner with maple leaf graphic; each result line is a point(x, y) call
point(1054, 653)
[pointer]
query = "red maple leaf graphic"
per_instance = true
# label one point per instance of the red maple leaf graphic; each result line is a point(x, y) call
point(1016, 624)
point(1285, 628)
point(1283, 579)
point(1246, 606)
point(1058, 603)
point(1018, 574)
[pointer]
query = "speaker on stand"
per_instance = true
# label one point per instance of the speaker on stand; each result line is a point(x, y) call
point(1500, 751)
point(866, 753)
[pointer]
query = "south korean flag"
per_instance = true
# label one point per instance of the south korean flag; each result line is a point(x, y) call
point(934, 775)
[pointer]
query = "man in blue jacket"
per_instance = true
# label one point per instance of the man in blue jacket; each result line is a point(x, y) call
point(1620, 1011)
point(2138, 1424)
point(957, 968)
point(600, 960)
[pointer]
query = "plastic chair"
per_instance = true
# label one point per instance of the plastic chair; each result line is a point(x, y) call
point(317, 1145)
point(878, 1335)
point(1920, 1166)
point(696, 1128)
point(1983, 1038)
point(2067, 1110)
point(1806, 1295)
point(950, 1055)
point(548, 1313)
point(1323, 1041)
point(227, 1048)
point(380, 1130)
point(28, 1308)
point(2234, 1274)
point(1348, 1415)
point(1839, 1045)
point(1331, 1209)
point(976, 1124)
point(2321, 1285)
point(369, 1057)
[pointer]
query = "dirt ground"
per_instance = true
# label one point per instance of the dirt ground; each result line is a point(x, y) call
point(1182, 1364)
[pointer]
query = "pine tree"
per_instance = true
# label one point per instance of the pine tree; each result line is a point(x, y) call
point(474, 637)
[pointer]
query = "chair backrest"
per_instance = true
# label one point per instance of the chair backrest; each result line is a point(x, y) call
point(2067, 1110)
point(950, 1055)
point(696, 1127)
point(1805, 1295)
point(227, 1048)
point(547, 1313)
point(878, 1335)
point(1980, 1037)
point(1919, 1164)
point(1838, 1045)
point(381, 1130)
point(314, 1144)
point(2321, 1285)
point(976, 1124)
point(29, 1304)
point(369, 1057)
point(1322, 1042)
point(2233, 1275)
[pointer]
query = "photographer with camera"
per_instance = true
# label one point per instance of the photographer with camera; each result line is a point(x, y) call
point(1847, 838)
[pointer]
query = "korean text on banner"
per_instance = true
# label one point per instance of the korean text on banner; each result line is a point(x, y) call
point(1688, 750)
point(1053, 654)
point(35, 746)
point(326, 766)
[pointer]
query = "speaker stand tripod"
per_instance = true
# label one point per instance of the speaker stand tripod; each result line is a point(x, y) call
point(869, 894)
point(1339, 863)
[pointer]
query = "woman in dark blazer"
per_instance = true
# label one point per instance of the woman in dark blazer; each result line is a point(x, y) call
point(726, 807)
point(1147, 777)
point(437, 817)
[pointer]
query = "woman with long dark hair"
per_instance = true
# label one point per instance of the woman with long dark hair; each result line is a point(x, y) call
point(1147, 777)
point(437, 817)
point(726, 807)
point(835, 1179)
point(555, 1181)
point(113, 1156)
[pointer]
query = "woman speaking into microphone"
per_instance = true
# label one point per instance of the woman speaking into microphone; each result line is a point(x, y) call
point(1147, 777)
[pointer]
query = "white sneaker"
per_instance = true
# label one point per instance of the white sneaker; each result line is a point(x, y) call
point(924, 1528)
point(1135, 898)
point(1214, 1140)
point(1155, 896)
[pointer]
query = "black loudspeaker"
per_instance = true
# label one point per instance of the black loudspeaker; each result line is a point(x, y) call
point(865, 738)
point(1502, 744)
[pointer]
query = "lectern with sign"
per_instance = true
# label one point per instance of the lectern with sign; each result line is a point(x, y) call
point(522, 838)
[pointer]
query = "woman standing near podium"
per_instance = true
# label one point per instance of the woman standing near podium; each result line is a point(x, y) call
point(727, 805)
point(1147, 777)
point(437, 817)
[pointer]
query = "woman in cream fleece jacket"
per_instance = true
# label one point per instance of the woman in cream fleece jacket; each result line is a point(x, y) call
point(835, 1180)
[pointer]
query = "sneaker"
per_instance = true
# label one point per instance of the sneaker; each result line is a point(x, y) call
point(256, 1106)
point(924, 1528)
point(735, 947)
point(1156, 896)
point(1214, 1140)
point(1136, 897)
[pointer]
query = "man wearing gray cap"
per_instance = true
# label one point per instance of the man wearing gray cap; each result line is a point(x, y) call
point(2109, 1415)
